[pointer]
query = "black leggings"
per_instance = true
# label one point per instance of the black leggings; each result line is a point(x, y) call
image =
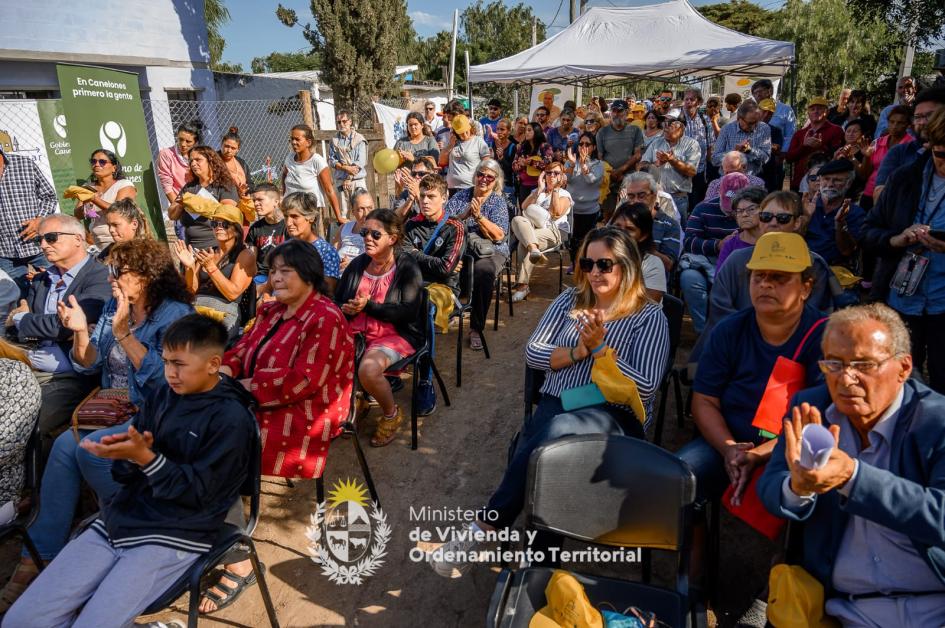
point(484, 274)
point(583, 224)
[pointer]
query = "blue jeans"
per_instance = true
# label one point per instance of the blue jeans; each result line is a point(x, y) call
point(551, 421)
point(16, 268)
point(697, 272)
point(681, 199)
point(67, 466)
point(708, 466)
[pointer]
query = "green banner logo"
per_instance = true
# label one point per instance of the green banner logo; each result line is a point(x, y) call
point(52, 120)
point(103, 109)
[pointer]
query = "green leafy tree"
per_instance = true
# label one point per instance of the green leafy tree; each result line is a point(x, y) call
point(285, 62)
point(357, 42)
point(215, 14)
point(924, 18)
point(739, 15)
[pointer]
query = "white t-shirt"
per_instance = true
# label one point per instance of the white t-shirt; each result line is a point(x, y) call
point(464, 159)
point(350, 244)
point(98, 225)
point(303, 177)
point(654, 273)
point(544, 201)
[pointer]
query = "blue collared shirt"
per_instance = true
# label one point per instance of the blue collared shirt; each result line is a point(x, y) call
point(700, 129)
point(871, 557)
point(732, 135)
point(49, 356)
point(785, 120)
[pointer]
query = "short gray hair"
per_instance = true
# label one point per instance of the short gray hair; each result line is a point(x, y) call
point(638, 177)
point(736, 155)
point(303, 203)
point(899, 343)
point(67, 223)
point(496, 168)
point(695, 91)
point(747, 106)
point(359, 192)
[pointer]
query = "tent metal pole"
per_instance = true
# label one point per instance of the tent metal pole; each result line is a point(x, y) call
point(515, 104)
point(453, 53)
point(472, 113)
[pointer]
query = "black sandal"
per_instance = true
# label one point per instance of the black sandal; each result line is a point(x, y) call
point(230, 594)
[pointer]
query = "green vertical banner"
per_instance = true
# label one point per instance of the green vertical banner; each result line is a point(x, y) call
point(52, 120)
point(104, 110)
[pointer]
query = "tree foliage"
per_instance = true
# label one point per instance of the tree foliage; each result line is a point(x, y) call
point(739, 15)
point(357, 42)
point(285, 62)
point(926, 18)
point(215, 14)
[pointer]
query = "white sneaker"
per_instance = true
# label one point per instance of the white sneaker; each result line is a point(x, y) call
point(519, 295)
point(443, 559)
point(536, 257)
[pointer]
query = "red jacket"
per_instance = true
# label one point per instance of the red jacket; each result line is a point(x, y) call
point(832, 137)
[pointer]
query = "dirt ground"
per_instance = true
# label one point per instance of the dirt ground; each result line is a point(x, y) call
point(460, 460)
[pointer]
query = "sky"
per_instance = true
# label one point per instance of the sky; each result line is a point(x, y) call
point(254, 30)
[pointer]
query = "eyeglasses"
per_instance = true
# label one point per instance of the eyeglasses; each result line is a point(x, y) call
point(812, 178)
point(430, 108)
point(487, 178)
point(419, 174)
point(219, 224)
point(585, 144)
point(53, 236)
point(373, 233)
point(342, 121)
point(860, 367)
point(782, 219)
point(938, 154)
point(747, 209)
point(99, 162)
point(604, 264)
point(116, 271)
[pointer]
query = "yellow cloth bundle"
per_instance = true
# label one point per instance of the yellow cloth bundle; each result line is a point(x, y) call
point(846, 278)
point(79, 193)
point(796, 599)
point(210, 312)
point(209, 208)
point(442, 297)
point(248, 210)
point(614, 385)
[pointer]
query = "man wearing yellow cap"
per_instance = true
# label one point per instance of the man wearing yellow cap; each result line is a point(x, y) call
point(783, 118)
point(773, 171)
point(819, 136)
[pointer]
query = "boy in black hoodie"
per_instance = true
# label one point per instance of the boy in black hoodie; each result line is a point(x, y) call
point(182, 463)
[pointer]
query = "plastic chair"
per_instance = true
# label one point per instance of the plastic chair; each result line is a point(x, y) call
point(349, 431)
point(506, 268)
point(463, 305)
point(229, 537)
point(416, 360)
point(589, 488)
point(673, 310)
point(31, 483)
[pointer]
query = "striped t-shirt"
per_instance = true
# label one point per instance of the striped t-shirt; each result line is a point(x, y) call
point(640, 340)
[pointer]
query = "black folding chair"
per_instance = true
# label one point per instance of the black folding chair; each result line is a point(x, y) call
point(32, 478)
point(590, 488)
point(673, 310)
point(464, 304)
point(349, 431)
point(417, 361)
point(506, 268)
point(230, 536)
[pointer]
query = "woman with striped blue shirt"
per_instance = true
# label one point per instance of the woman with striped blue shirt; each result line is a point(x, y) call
point(608, 314)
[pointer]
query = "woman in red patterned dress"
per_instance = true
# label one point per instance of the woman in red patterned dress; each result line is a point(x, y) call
point(298, 363)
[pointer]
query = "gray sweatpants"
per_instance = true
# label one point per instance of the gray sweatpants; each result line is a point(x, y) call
point(114, 584)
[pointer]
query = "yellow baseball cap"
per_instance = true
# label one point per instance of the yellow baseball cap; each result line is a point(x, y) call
point(818, 100)
point(638, 107)
point(461, 124)
point(567, 605)
point(786, 252)
point(768, 104)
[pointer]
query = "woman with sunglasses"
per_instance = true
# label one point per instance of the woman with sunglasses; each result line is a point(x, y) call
point(380, 292)
point(585, 172)
point(606, 318)
point(148, 294)
point(125, 222)
point(211, 180)
point(409, 179)
point(110, 185)
point(220, 275)
point(485, 210)
point(416, 143)
point(543, 221)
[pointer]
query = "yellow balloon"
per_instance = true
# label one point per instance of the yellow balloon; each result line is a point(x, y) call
point(386, 161)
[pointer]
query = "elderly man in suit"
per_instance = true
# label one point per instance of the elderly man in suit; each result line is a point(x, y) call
point(72, 273)
point(873, 532)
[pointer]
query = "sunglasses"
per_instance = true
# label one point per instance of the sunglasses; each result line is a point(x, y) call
point(344, 121)
point(782, 219)
point(665, 98)
point(116, 271)
point(488, 178)
point(584, 144)
point(219, 224)
point(431, 108)
point(419, 174)
point(373, 233)
point(604, 264)
point(938, 154)
point(53, 236)
point(813, 177)
point(99, 162)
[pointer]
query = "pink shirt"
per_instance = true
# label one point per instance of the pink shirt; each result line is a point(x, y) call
point(882, 147)
point(173, 170)
point(378, 333)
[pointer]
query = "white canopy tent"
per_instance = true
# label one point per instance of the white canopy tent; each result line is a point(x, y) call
point(668, 41)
